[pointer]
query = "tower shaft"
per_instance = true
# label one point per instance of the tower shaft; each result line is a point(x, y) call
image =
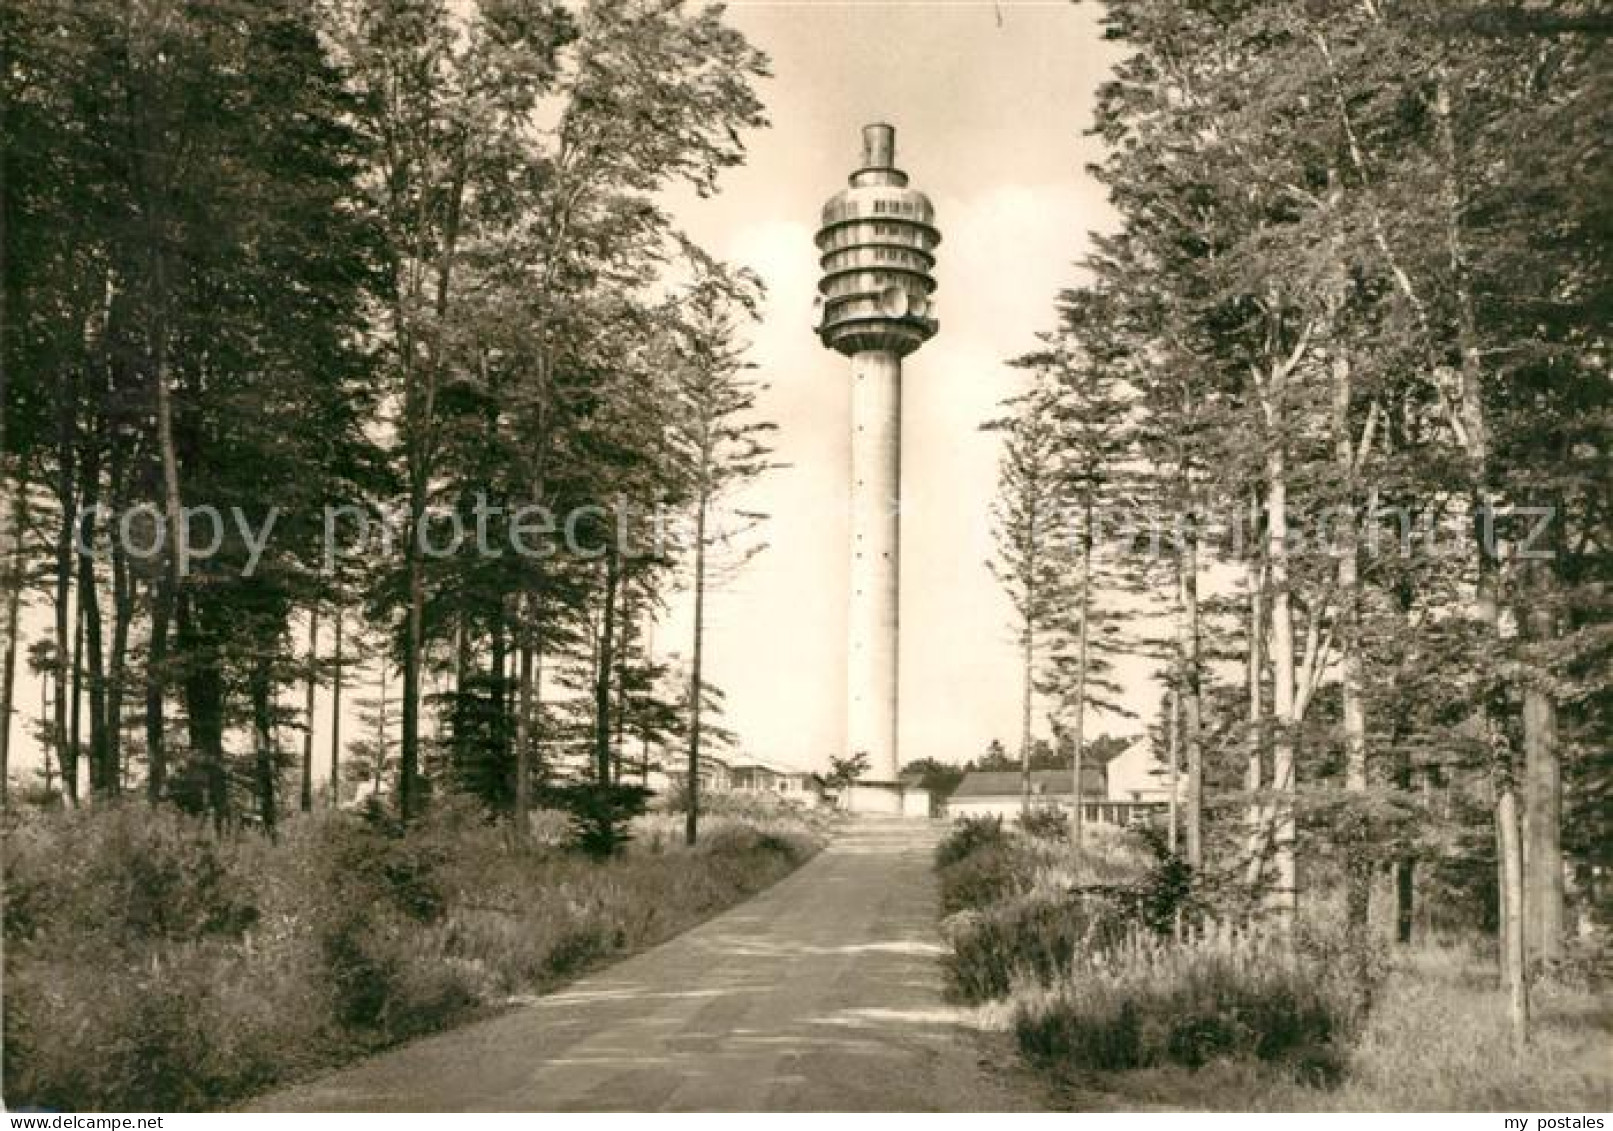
point(872, 669)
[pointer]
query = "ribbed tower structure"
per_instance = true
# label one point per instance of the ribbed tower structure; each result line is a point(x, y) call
point(877, 247)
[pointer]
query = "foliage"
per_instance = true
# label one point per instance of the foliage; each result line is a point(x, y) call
point(421, 266)
point(601, 813)
point(1024, 940)
point(939, 779)
point(1220, 997)
point(274, 959)
point(968, 834)
point(846, 772)
point(1046, 822)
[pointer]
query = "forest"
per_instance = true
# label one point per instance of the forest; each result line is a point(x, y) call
point(276, 266)
point(1322, 429)
point(272, 270)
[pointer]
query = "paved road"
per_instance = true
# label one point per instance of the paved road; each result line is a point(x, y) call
point(822, 993)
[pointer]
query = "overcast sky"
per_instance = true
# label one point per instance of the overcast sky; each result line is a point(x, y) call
point(990, 103)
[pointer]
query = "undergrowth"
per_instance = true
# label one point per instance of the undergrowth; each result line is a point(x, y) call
point(150, 965)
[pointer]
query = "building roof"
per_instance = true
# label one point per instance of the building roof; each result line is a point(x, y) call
point(753, 763)
point(1044, 783)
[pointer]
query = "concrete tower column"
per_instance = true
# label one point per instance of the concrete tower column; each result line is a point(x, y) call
point(872, 666)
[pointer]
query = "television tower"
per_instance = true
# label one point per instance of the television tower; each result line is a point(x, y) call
point(877, 254)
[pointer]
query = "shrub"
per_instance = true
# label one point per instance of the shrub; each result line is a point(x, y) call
point(968, 836)
point(601, 813)
point(266, 959)
point(129, 876)
point(1030, 939)
point(1045, 822)
point(1225, 997)
point(989, 875)
point(1166, 890)
point(746, 840)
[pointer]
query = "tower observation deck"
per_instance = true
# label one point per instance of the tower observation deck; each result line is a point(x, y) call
point(877, 252)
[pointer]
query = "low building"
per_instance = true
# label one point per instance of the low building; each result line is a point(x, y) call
point(1133, 788)
point(742, 776)
point(716, 776)
point(1000, 793)
point(754, 776)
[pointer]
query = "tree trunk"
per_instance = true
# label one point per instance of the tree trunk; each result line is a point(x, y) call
point(623, 657)
point(1173, 747)
point(523, 738)
point(265, 769)
point(306, 795)
point(1514, 953)
point(409, 755)
point(15, 565)
point(1390, 904)
point(66, 634)
point(691, 824)
point(103, 775)
point(1405, 898)
point(1027, 675)
point(421, 412)
point(1190, 681)
point(1082, 642)
point(605, 669)
point(1542, 818)
point(204, 702)
point(44, 722)
point(336, 713)
point(1284, 894)
point(75, 713)
point(171, 590)
point(123, 602)
point(162, 603)
point(379, 775)
point(1254, 776)
point(1471, 425)
point(498, 696)
point(1360, 866)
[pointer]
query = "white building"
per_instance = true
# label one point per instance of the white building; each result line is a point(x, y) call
point(1133, 787)
point(1138, 775)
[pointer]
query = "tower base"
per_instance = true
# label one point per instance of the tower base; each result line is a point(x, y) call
point(886, 799)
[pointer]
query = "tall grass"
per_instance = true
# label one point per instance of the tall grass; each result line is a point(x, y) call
point(1020, 907)
point(1219, 996)
point(151, 966)
point(1084, 948)
point(1438, 1039)
point(1113, 995)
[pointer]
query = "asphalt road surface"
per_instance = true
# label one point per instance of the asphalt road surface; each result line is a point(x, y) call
point(820, 994)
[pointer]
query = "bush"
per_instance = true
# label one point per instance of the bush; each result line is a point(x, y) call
point(1438, 1039)
point(601, 813)
point(989, 875)
point(968, 836)
point(1225, 997)
point(150, 965)
point(1046, 822)
point(745, 840)
point(1028, 940)
point(119, 877)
